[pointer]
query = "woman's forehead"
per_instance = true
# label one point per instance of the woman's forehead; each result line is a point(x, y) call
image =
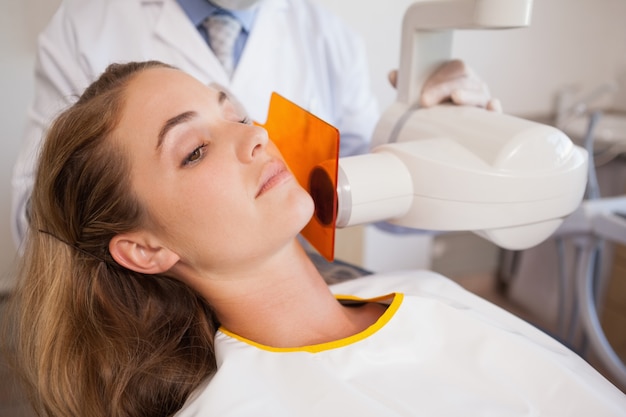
point(168, 81)
point(157, 94)
point(164, 91)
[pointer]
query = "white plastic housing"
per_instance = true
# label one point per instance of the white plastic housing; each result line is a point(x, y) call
point(372, 187)
point(508, 179)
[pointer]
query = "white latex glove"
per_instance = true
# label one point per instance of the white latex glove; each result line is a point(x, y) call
point(457, 83)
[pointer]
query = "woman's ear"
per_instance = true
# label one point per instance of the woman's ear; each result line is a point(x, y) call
point(137, 253)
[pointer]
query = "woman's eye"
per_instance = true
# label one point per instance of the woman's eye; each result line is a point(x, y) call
point(195, 155)
point(246, 121)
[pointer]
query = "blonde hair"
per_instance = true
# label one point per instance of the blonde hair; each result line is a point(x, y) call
point(91, 337)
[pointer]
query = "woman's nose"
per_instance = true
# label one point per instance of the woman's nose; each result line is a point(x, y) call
point(253, 141)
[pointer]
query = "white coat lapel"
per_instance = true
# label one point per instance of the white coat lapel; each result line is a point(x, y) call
point(255, 78)
point(262, 39)
point(274, 60)
point(174, 29)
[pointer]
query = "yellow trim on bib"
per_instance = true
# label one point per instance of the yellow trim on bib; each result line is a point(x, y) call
point(380, 323)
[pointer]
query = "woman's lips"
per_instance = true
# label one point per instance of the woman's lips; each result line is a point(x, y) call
point(274, 173)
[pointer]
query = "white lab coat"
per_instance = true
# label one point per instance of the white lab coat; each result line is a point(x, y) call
point(438, 350)
point(295, 48)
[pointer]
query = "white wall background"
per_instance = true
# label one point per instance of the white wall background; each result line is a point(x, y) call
point(578, 42)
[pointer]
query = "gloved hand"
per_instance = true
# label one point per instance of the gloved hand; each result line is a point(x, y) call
point(455, 82)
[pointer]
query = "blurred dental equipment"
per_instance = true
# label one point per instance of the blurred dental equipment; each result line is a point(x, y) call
point(571, 107)
point(509, 180)
point(575, 113)
point(598, 222)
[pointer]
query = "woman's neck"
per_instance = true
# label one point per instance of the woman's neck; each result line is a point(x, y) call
point(286, 303)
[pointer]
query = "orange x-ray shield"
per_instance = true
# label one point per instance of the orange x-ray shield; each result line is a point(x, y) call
point(310, 147)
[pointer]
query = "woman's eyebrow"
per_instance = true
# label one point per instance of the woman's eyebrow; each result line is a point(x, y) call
point(171, 123)
point(184, 117)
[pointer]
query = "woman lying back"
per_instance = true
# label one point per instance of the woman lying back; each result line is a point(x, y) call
point(162, 275)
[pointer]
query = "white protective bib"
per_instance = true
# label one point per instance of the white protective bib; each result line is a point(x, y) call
point(437, 351)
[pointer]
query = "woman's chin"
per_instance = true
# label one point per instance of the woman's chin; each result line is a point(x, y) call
point(307, 209)
point(298, 210)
